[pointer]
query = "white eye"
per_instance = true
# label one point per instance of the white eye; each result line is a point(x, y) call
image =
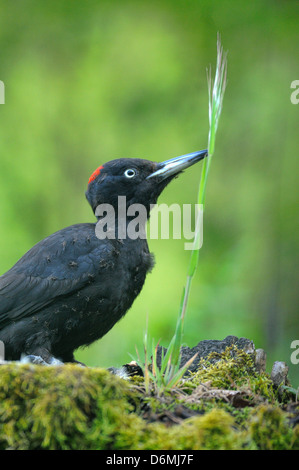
point(130, 173)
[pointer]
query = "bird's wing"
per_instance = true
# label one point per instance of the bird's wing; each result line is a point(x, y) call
point(57, 266)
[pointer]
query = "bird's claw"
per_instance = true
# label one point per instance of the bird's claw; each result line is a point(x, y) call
point(32, 359)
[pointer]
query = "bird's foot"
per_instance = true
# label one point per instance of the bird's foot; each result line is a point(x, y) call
point(127, 370)
point(32, 359)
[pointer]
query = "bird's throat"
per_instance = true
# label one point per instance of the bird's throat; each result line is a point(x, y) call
point(121, 222)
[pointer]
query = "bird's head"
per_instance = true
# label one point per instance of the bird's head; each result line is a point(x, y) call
point(140, 181)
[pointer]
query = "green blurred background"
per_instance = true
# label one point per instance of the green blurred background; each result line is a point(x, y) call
point(89, 81)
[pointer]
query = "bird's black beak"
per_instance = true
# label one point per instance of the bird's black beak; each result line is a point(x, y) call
point(175, 165)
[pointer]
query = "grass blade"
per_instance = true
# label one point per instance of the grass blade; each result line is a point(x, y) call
point(170, 372)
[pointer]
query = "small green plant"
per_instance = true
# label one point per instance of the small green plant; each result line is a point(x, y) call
point(169, 373)
point(294, 391)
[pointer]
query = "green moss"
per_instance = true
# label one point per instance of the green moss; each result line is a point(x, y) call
point(233, 370)
point(67, 407)
point(269, 429)
point(213, 430)
point(72, 407)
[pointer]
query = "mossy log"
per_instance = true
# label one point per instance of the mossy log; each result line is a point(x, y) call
point(224, 404)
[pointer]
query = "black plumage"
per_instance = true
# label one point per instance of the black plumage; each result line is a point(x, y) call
point(71, 288)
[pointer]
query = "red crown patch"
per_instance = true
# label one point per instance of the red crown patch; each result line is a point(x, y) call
point(95, 174)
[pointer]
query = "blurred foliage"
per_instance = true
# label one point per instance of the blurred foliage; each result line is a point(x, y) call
point(86, 82)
